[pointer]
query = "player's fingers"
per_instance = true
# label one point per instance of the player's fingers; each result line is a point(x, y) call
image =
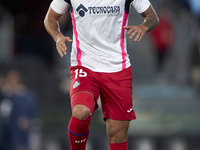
point(59, 52)
point(139, 35)
point(68, 39)
point(62, 47)
point(62, 44)
point(132, 30)
point(133, 34)
point(129, 28)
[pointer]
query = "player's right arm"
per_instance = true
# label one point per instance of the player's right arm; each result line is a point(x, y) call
point(52, 26)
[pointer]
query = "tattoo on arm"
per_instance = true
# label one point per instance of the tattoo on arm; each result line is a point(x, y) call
point(150, 19)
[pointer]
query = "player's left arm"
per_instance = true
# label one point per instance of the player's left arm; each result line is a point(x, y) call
point(150, 22)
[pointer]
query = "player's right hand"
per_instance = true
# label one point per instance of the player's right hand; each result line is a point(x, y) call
point(61, 41)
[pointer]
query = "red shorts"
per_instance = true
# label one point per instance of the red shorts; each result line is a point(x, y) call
point(115, 90)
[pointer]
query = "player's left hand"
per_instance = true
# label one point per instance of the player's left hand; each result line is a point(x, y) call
point(139, 31)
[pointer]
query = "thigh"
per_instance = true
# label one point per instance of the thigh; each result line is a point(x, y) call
point(116, 95)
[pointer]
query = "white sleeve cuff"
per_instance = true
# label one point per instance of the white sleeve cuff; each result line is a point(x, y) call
point(59, 6)
point(141, 5)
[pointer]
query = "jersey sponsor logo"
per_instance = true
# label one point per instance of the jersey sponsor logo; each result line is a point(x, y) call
point(76, 84)
point(109, 10)
point(97, 10)
point(81, 10)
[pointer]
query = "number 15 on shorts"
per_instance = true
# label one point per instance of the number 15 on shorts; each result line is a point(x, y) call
point(80, 73)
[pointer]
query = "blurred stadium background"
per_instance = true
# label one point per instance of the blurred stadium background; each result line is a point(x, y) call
point(167, 102)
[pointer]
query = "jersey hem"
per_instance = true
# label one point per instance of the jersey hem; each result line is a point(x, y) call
point(104, 71)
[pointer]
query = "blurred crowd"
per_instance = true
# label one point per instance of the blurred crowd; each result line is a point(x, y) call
point(18, 110)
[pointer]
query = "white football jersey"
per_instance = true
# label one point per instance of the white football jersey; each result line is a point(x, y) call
point(99, 39)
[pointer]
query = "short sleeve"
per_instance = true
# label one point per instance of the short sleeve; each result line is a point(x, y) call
point(140, 5)
point(59, 6)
